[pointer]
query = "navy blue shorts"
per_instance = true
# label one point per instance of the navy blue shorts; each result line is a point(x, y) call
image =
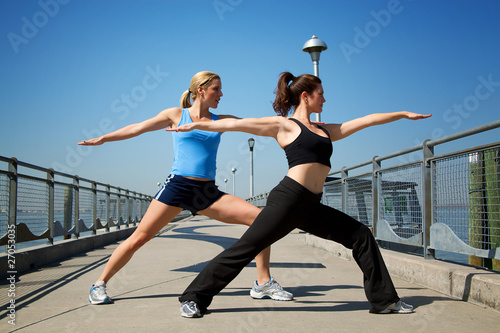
point(190, 194)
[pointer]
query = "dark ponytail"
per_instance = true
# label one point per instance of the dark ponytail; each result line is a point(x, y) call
point(290, 88)
point(282, 103)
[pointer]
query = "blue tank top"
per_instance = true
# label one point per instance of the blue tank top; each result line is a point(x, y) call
point(195, 152)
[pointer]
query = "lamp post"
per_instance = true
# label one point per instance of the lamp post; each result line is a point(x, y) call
point(233, 170)
point(225, 185)
point(251, 143)
point(314, 47)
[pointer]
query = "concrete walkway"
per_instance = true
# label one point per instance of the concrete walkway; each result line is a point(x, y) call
point(328, 292)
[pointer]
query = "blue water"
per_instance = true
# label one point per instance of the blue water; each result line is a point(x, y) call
point(452, 257)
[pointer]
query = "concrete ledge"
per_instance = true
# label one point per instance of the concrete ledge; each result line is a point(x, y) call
point(37, 256)
point(475, 285)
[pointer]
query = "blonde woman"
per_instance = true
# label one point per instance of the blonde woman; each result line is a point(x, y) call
point(295, 201)
point(190, 185)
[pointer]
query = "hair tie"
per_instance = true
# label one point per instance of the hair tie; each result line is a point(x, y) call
point(189, 91)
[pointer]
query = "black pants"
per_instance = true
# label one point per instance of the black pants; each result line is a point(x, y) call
point(290, 206)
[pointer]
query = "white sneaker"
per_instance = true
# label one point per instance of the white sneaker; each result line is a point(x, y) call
point(398, 307)
point(271, 289)
point(189, 309)
point(98, 295)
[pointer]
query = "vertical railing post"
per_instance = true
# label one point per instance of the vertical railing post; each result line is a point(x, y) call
point(343, 188)
point(427, 179)
point(140, 208)
point(127, 202)
point(108, 207)
point(137, 205)
point(119, 208)
point(68, 210)
point(133, 208)
point(12, 199)
point(76, 185)
point(50, 182)
point(376, 166)
point(94, 207)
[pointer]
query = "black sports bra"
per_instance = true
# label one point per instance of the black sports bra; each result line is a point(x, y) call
point(309, 147)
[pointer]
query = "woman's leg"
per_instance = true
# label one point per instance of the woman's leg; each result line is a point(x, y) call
point(157, 216)
point(281, 215)
point(329, 223)
point(231, 209)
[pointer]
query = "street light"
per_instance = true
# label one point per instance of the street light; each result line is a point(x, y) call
point(314, 47)
point(225, 185)
point(233, 170)
point(251, 143)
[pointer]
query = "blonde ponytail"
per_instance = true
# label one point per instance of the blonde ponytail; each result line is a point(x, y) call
point(186, 99)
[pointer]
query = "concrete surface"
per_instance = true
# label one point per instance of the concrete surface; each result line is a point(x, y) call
point(476, 285)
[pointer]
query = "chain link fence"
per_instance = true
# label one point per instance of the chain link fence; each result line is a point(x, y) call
point(449, 202)
point(41, 203)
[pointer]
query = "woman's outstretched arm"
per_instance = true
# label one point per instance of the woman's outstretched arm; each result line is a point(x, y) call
point(267, 126)
point(341, 131)
point(160, 121)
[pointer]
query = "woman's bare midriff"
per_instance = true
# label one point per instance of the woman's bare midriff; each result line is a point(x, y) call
point(310, 175)
point(200, 179)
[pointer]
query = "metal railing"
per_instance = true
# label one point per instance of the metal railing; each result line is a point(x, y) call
point(449, 202)
point(39, 203)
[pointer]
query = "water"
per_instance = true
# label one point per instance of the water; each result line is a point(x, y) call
point(458, 258)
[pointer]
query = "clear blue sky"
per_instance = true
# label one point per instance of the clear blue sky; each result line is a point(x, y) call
point(73, 69)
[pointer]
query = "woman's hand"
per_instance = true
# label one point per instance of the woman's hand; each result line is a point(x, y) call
point(416, 116)
point(182, 128)
point(92, 142)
